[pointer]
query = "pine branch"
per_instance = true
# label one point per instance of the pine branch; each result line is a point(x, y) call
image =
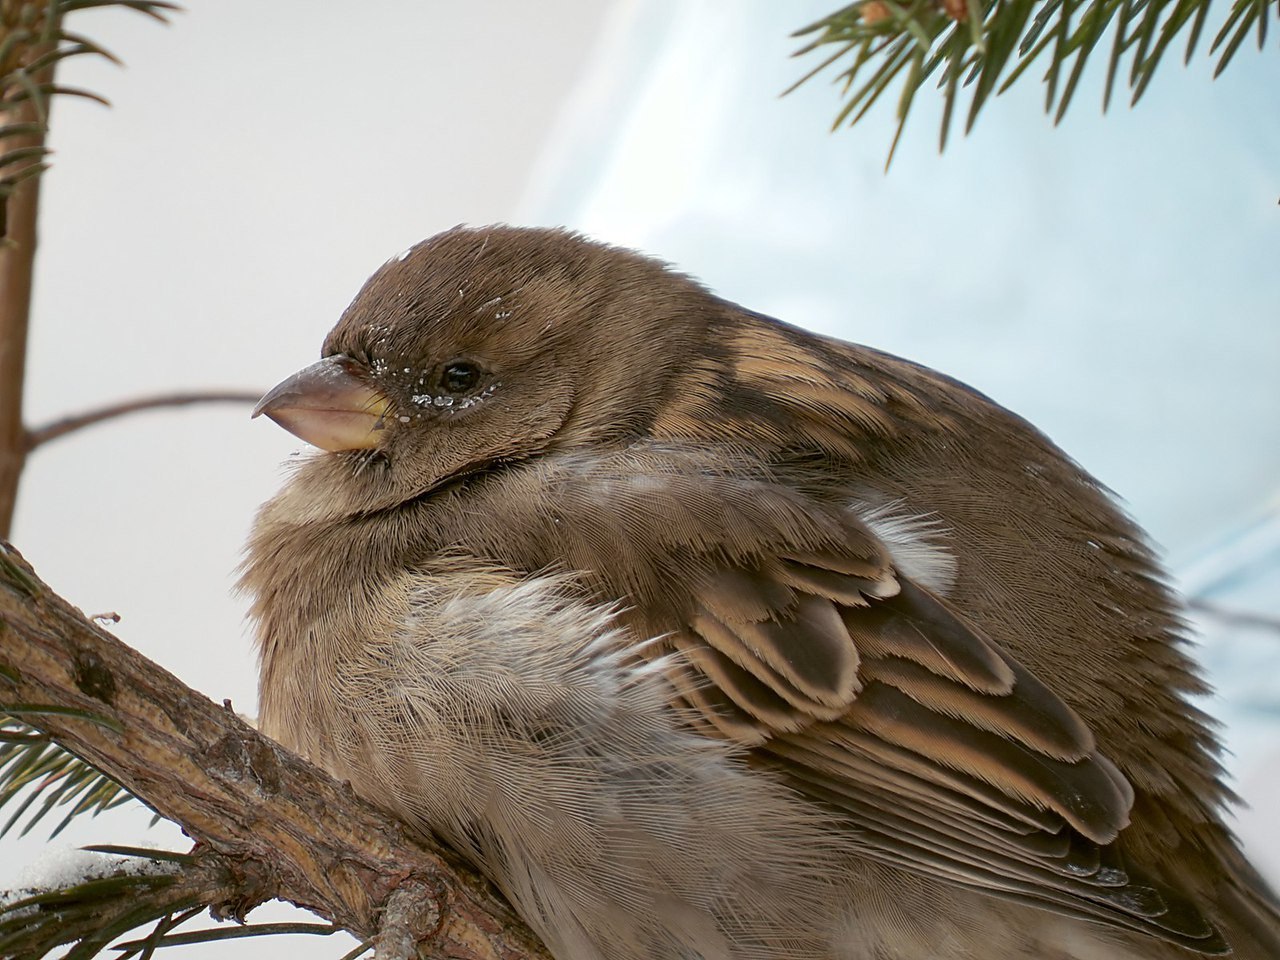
point(22, 132)
point(32, 43)
point(36, 769)
point(987, 45)
point(260, 811)
point(116, 896)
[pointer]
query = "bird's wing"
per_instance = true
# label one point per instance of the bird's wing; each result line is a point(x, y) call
point(870, 693)
point(801, 638)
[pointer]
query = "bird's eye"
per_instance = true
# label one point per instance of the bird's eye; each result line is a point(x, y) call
point(459, 376)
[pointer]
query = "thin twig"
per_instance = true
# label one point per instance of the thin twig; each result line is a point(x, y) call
point(60, 428)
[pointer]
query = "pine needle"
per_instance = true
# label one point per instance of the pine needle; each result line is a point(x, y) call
point(993, 39)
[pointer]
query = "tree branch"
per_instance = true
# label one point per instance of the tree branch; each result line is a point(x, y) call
point(305, 837)
point(70, 424)
point(17, 265)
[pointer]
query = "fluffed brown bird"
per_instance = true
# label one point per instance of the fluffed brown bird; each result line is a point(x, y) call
point(708, 637)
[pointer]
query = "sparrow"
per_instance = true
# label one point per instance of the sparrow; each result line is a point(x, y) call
point(707, 637)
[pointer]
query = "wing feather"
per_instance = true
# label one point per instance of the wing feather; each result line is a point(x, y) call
point(871, 695)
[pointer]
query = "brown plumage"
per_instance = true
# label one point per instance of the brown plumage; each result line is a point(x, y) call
point(708, 637)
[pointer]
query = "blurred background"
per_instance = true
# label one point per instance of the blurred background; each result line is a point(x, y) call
point(1114, 280)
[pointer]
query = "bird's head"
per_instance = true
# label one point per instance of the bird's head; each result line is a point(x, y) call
point(487, 345)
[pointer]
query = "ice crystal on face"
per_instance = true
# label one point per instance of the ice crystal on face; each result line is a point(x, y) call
point(445, 402)
point(482, 395)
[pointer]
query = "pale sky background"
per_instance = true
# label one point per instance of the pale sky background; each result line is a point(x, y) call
point(1114, 280)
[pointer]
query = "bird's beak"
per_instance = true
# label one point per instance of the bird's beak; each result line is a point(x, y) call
point(328, 406)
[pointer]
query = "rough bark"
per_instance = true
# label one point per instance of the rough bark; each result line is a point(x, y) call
point(296, 832)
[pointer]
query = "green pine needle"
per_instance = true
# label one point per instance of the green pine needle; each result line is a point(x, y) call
point(157, 889)
point(39, 775)
point(987, 45)
point(87, 915)
point(32, 42)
